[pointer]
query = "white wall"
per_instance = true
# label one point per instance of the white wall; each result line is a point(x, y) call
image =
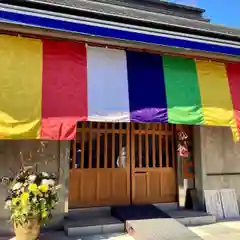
point(217, 159)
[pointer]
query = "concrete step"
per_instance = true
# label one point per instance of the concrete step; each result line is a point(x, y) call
point(91, 226)
point(167, 206)
point(95, 212)
point(191, 218)
point(196, 221)
point(111, 236)
point(60, 235)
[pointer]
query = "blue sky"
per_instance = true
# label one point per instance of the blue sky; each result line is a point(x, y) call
point(225, 12)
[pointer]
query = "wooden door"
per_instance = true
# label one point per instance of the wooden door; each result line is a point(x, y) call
point(153, 163)
point(100, 166)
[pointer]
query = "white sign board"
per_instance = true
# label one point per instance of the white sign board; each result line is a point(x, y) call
point(213, 203)
point(229, 203)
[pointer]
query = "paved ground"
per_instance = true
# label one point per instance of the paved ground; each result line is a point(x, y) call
point(217, 231)
point(62, 236)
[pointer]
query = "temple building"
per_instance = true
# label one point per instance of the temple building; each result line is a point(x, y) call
point(106, 87)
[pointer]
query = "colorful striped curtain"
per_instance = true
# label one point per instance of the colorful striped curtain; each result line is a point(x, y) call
point(49, 85)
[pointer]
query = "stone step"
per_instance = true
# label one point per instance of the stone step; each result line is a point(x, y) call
point(191, 218)
point(196, 221)
point(111, 236)
point(95, 212)
point(91, 226)
point(60, 235)
point(166, 206)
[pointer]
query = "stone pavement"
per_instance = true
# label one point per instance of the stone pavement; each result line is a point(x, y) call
point(218, 231)
point(61, 236)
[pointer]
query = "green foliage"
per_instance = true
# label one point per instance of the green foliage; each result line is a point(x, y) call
point(31, 195)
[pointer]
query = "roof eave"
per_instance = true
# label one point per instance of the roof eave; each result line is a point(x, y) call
point(77, 11)
point(114, 30)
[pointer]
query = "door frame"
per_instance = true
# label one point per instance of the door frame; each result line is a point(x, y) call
point(99, 175)
point(77, 175)
point(158, 170)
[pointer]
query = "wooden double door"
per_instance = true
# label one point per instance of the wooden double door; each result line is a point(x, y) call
point(122, 163)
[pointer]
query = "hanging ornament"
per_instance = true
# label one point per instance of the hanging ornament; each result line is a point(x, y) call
point(182, 144)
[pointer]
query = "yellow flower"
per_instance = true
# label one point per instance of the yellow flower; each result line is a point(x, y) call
point(14, 201)
point(33, 188)
point(24, 197)
point(44, 214)
point(43, 188)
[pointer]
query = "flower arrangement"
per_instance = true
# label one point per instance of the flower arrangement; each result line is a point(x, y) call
point(31, 195)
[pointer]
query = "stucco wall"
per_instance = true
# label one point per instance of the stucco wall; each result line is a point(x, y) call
point(217, 159)
point(53, 158)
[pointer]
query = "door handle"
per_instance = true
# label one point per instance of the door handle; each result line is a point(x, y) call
point(140, 172)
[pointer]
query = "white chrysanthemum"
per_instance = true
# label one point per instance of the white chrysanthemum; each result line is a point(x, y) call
point(8, 204)
point(32, 178)
point(45, 174)
point(48, 182)
point(17, 186)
